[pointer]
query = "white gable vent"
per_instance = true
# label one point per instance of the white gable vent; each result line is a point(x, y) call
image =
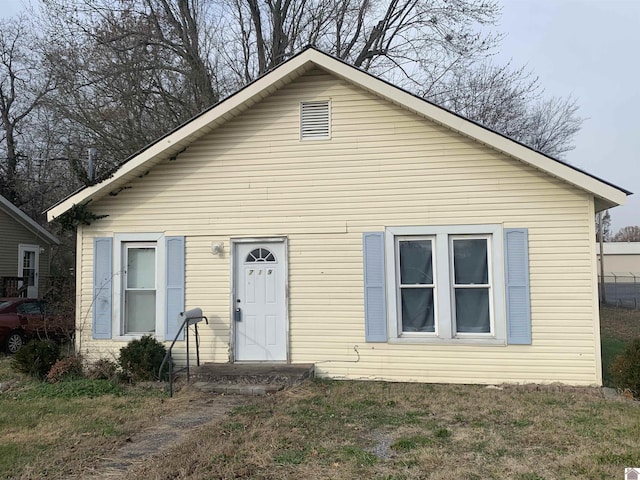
point(314, 120)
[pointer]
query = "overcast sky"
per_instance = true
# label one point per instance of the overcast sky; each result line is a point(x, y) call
point(586, 48)
point(589, 49)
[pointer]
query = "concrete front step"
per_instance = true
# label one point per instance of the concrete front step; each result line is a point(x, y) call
point(237, 389)
point(249, 378)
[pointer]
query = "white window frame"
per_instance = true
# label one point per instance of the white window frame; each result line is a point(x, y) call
point(32, 290)
point(443, 272)
point(121, 240)
point(126, 249)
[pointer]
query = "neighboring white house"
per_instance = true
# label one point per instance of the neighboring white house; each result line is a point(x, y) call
point(322, 215)
point(621, 269)
point(621, 259)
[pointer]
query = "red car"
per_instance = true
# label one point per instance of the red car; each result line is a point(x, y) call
point(25, 318)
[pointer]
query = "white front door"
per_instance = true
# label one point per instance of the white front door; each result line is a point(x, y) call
point(260, 318)
point(28, 260)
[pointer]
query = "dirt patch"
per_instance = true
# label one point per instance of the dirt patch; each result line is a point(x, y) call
point(144, 448)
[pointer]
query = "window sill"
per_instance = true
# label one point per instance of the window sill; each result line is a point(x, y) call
point(493, 342)
point(135, 336)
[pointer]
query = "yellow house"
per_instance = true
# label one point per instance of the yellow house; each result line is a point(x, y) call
point(321, 215)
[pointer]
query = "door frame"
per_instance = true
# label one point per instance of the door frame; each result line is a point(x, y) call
point(234, 278)
point(24, 247)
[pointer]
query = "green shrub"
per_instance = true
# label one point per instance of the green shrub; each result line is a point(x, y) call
point(625, 370)
point(141, 359)
point(67, 368)
point(103, 369)
point(36, 358)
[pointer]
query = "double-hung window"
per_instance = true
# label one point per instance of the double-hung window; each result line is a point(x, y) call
point(140, 286)
point(416, 285)
point(446, 284)
point(471, 284)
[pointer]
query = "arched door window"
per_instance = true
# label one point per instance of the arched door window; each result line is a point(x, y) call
point(262, 255)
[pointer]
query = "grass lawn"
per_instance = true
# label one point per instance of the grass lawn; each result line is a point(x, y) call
point(374, 430)
point(338, 430)
point(53, 430)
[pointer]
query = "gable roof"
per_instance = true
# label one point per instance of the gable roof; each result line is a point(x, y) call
point(26, 221)
point(169, 146)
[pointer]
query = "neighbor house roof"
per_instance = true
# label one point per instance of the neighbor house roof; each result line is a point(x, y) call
point(607, 195)
point(26, 221)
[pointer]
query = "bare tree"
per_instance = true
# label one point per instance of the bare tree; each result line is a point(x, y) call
point(127, 72)
point(131, 70)
point(551, 125)
point(23, 87)
point(627, 234)
point(606, 226)
point(510, 101)
point(176, 27)
point(415, 41)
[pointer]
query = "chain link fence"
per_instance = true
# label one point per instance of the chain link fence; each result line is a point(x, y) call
point(622, 290)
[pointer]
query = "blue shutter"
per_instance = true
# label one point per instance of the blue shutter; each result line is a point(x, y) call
point(175, 286)
point(375, 305)
point(516, 250)
point(102, 286)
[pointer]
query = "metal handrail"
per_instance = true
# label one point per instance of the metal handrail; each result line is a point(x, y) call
point(191, 317)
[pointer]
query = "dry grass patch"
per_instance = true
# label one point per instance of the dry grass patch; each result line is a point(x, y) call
point(619, 323)
point(56, 430)
point(618, 326)
point(328, 429)
point(390, 431)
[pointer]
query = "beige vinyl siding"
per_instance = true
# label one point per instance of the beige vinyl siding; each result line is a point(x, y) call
point(383, 166)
